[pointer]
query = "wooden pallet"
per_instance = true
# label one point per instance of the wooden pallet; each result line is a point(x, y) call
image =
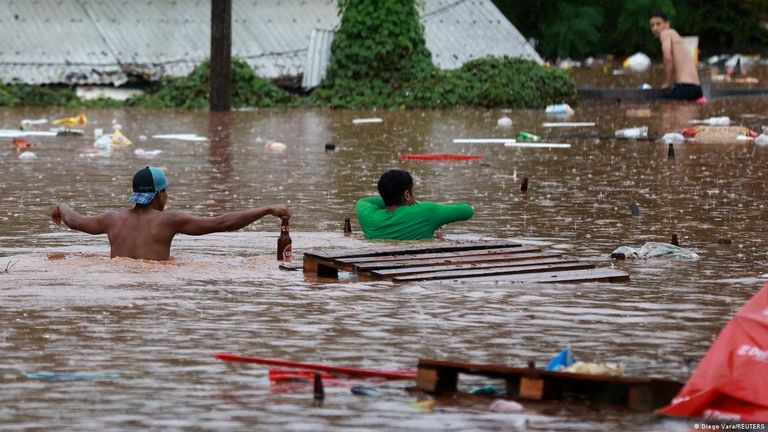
point(637, 393)
point(462, 261)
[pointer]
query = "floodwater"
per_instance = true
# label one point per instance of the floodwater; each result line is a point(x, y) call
point(149, 330)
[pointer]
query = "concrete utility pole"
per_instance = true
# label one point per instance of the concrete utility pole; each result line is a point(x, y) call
point(221, 55)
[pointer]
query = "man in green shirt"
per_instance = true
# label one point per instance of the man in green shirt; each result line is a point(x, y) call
point(397, 216)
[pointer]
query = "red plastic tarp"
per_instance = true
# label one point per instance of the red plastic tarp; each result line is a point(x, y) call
point(731, 383)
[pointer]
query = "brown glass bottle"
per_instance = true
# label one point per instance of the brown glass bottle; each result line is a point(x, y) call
point(284, 247)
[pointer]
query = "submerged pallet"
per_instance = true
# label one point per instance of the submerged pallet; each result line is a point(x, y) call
point(462, 261)
point(637, 393)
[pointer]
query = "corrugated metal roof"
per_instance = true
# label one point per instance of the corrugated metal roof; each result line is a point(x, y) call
point(458, 31)
point(318, 58)
point(105, 41)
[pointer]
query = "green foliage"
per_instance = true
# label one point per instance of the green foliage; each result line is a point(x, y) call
point(378, 40)
point(722, 25)
point(565, 36)
point(380, 59)
point(632, 30)
point(488, 82)
point(191, 91)
point(15, 95)
point(735, 27)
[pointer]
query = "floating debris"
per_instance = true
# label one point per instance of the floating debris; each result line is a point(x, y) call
point(181, 137)
point(504, 122)
point(367, 120)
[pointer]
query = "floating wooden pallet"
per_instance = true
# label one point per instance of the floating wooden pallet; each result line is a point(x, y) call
point(638, 393)
point(463, 261)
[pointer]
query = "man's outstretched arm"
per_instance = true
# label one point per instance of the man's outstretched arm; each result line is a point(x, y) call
point(88, 224)
point(184, 223)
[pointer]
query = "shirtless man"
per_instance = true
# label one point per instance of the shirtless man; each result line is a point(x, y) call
point(680, 76)
point(146, 231)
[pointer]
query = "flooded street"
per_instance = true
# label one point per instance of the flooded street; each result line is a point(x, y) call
point(152, 328)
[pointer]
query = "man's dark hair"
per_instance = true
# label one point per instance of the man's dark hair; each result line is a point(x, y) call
point(659, 14)
point(393, 184)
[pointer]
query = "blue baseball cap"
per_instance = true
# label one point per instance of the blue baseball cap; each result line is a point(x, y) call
point(147, 182)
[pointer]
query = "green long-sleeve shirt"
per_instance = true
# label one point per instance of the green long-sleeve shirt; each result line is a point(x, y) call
point(408, 222)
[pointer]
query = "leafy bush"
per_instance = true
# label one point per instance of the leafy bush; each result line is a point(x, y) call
point(379, 59)
point(191, 91)
point(14, 95)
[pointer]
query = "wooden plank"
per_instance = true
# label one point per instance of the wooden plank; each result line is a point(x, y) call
point(549, 258)
point(425, 247)
point(494, 370)
point(397, 257)
point(445, 261)
point(538, 268)
point(586, 275)
point(320, 267)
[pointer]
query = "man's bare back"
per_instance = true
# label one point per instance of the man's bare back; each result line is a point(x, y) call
point(147, 231)
point(683, 69)
point(680, 76)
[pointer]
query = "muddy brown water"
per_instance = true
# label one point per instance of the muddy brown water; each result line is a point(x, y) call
point(65, 307)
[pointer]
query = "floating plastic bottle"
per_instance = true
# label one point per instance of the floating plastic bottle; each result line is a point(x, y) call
point(559, 109)
point(527, 137)
point(633, 133)
point(504, 122)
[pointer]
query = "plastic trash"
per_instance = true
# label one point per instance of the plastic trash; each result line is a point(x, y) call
point(27, 156)
point(666, 250)
point(504, 122)
point(562, 360)
point(559, 109)
point(672, 138)
point(119, 139)
point(182, 137)
point(28, 124)
point(16, 133)
point(147, 154)
point(527, 137)
point(656, 250)
point(637, 62)
point(79, 121)
point(625, 252)
point(503, 405)
point(762, 140)
point(713, 121)
point(488, 389)
point(645, 86)
point(365, 391)
point(104, 142)
point(367, 120)
point(98, 132)
point(22, 144)
point(633, 133)
point(275, 146)
point(53, 376)
point(567, 124)
point(613, 369)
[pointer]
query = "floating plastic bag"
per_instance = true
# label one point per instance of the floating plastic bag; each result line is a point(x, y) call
point(673, 138)
point(637, 62)
point(613, 369)
point(76, 121)
point(656, 250)
point(559, 109)
point(561, 361)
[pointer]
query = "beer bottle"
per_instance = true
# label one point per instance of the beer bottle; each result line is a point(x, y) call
point(284, 248)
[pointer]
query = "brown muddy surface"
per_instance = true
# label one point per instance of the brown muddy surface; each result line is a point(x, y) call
point(151, 329)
